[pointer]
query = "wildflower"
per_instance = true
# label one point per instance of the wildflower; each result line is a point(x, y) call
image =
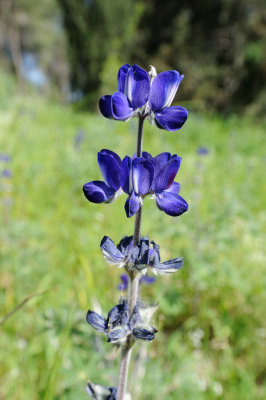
point(146, 254)
point(104, 192)
point(202, 151)
point(119, 325)
point(136, 179)
point(165, 190)
point(148, 280)
point(145, 95)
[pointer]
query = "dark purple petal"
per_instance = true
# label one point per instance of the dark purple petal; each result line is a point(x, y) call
point(160, 160)
point(171, 118)
point(172, 204)
point(110, 164)
point(148, 280)
point(120, 107)
point(124, 285)
point(146, 155)
point(163, 89)
point(97, 321)
point(118, 316)
point(98, 192)
point(116, 334)
point(126, 171)
point(137, 86)
point(170, 266)
point(121, 77)
point(147, 333)
point(174, 188)
point(166, 175)
point(105, 105)
point(125, 245)
point(132, 205)
point(154, 254)
point(142, 175)
point(110, 252)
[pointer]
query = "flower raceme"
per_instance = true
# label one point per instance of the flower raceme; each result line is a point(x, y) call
point(138, 177)
point(144, 255)
point(145, 95)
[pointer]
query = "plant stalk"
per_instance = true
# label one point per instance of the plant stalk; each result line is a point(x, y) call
point(133, 289)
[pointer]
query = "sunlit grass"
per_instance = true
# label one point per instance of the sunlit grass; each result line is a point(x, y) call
point(211, 315)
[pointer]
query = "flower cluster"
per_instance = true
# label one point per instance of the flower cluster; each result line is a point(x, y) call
point(138, 177)
point(145, 254)
point(145, 95)
point(119, 326)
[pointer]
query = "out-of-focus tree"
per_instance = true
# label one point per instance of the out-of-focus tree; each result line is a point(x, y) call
point(100, 33)
point(219, 45)
point(29, 27)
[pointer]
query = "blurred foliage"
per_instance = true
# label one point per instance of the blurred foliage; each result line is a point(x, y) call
point(97, 30)
point(218, 45)
point(211, 317)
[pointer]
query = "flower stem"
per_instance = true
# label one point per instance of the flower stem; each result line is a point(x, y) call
point(133, 289)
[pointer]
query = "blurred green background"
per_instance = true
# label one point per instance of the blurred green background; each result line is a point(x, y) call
point(56, 59)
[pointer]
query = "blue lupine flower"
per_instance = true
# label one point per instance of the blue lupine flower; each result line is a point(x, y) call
point(104, 192)
point(148, 280)
point(202, 151)
point(145, 95)
point(4, 157)
point(136, 179)
point(119, 325)
point(166, 191)
point(146, 254)
point(98, 392)
point(6, 173)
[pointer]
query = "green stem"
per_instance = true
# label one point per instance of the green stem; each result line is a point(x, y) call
point(133, 289)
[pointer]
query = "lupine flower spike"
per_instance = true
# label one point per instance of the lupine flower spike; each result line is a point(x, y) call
point(140, 176)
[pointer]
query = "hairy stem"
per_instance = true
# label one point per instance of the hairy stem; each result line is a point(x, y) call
point(133, 289)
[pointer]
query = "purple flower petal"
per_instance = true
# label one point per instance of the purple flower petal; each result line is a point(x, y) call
point(120, 107)
point(98, 192)
point(174, 188)
point(163, 89)
point(148, 280)
point(160, 160)
point(110, 252)
point(97, 321)
point(116, 334)
point(124, 285)
point(137, 86)
point(142, 175)
point(147, 333)
point(132, 205)
point(172, 204)
point(170, 266)
point(105, 105)
point(110, 163)
point(121, 77)
point(166, 175)
point(126, 171)
point(171, 118)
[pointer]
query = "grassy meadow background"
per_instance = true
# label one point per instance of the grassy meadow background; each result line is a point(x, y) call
point(211, 317)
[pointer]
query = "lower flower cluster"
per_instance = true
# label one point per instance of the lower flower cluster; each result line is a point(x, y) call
point(120, 327)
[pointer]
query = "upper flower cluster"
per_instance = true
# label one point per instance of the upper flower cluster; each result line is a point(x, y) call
point(145, 95)
point(138, 177)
